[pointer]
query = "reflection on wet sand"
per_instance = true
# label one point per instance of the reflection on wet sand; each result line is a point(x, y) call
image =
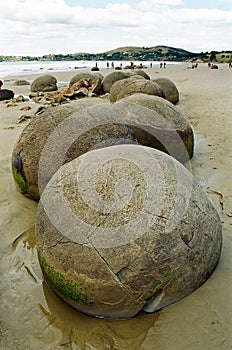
point(83, 331)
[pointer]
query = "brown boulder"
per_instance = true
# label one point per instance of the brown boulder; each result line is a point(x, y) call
point(44, 83)
point(111, 78)
point(169, 88)
point(140, 72)
point(21, 82)
point(79, 76)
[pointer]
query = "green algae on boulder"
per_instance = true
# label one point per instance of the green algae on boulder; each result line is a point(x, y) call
point(61, 285)
point(128, 228)
point(22, 184)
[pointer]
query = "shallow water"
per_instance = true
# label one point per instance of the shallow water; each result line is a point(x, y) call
point(39, 67)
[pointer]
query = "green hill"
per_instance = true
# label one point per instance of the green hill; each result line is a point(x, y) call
point(131, 53)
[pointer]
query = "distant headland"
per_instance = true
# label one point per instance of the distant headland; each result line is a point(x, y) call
point(127, 53)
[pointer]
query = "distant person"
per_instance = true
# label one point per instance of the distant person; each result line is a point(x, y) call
point(151, 64)
point(230, 65)
point(112, 64)
point(209, 64)
point(107, 65)
point(161, 64)
point(1, 83)
point(164, 64)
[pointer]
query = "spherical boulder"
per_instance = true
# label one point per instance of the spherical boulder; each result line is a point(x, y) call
point(99, 76)
point(169, 88)
point(111, 78)
point(79, 76)
point(21, 82)
point(132, 86)
point(125, 228)
point(61, 134)
point(159, 124)
point(44, 83)
point(140, 72)
point(6, 94)
point(94, 69)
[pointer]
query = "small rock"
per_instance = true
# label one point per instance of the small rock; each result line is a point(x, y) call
point(23, 118)
point(25, 108)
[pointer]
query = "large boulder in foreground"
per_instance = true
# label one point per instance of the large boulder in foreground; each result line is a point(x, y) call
point(61, 134)
point(6, 94)
point(169, 88)
point(44, 83)
point(159, 124)
point(130, 86)
point(125, 228)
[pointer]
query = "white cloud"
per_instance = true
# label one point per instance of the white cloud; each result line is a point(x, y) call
point(31, 27)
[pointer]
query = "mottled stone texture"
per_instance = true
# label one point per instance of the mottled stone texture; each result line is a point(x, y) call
point(61, 134)
point(125, 228)
point(164, 128)
point(44, 83)
point(130, 86)
point(79, 76)
point(111, 78)
point(169, 88)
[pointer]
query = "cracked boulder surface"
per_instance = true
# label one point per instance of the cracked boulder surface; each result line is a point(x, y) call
point(61, 134)
point(125, 228)
point(164, 128)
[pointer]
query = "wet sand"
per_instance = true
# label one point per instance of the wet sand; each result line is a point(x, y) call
point(32, 317)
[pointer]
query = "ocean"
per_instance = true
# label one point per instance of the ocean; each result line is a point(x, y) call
point(16, 68)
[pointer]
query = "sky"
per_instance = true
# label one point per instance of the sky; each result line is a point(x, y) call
point(36, 28)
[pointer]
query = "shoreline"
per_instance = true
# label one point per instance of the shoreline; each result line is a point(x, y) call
point(52, 67)
point(33, 317)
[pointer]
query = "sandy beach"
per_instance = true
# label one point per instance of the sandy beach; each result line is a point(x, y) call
point(32, 317)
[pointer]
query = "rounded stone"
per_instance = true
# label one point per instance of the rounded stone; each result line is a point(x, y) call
point(164, 128)
point(44, 83)
point(6, 94)
point(140, 72)
point(21, 82)
point(111, 78)
point(61, 134)
point(169, 88)
point(80, 76)
point(125, 228)
point(132, 86)
point(99, 76)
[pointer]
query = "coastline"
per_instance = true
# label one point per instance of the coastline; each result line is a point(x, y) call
point(34, 318)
